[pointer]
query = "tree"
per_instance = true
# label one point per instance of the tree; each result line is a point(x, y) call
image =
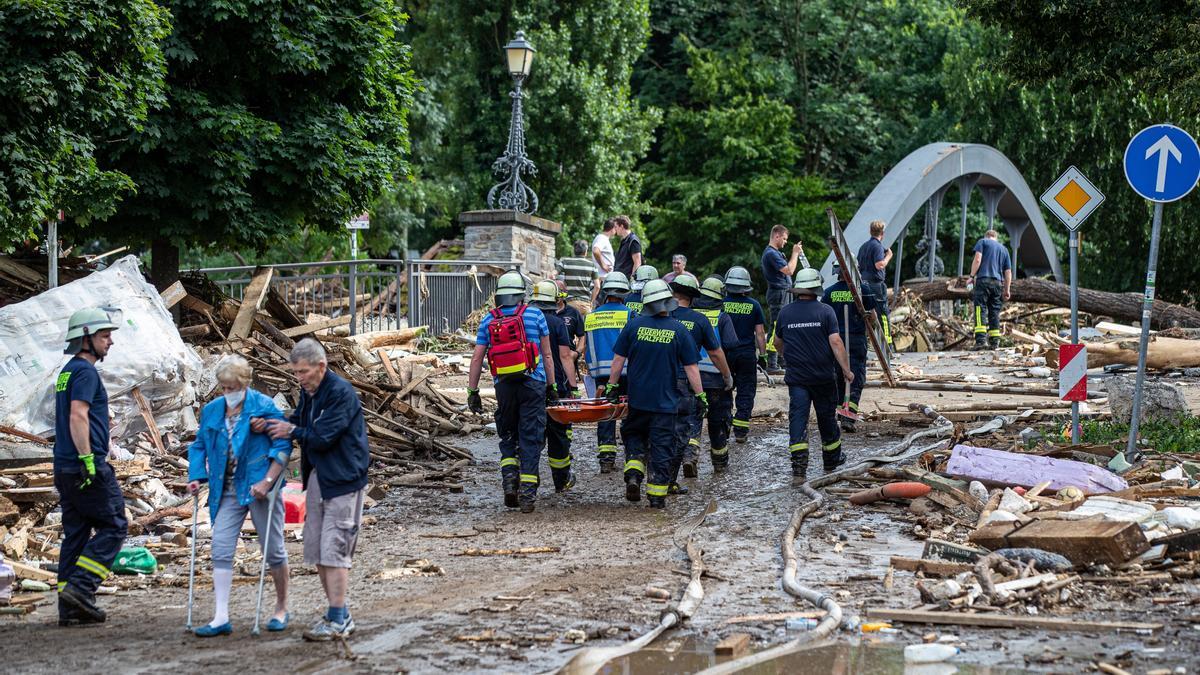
point(727, 170)
point(75, 75)
point(584, 131)
point(279, 116)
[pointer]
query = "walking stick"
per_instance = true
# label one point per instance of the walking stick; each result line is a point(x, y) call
point(192, 566)
point(266, 540)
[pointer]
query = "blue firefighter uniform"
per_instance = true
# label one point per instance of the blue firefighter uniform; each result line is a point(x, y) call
point(839, 297)
point(746, 314)
point(720, 401)
point(93, 515)
point(804, 326)
point(988, 295)
point(558, 435)
point(602, 326)
point(634, 302)
point(704, 334)
point(656, 349)
point(521, 404)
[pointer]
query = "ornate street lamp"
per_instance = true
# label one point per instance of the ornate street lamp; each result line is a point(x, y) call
point(512, 193)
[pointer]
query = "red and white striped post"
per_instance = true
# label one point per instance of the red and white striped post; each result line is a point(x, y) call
point(1072, 378)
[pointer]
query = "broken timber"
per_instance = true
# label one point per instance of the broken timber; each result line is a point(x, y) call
point(253, 300)
point(1005, 621)
point(841, 250)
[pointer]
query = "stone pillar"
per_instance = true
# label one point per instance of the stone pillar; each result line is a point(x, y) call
point(511, 237)
point(965, 185)
point(1016, 230)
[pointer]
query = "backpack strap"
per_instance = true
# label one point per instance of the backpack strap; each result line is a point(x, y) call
point(496, 313)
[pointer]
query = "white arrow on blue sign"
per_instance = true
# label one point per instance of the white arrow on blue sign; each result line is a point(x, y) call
point(1162, 163)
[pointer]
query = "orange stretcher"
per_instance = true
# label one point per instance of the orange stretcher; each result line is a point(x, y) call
point(575, 410)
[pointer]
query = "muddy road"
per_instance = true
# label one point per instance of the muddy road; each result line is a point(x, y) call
point(422, 606)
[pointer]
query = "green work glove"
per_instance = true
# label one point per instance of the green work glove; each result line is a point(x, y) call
point(701, 404)
point(610, 392)
point(474, 402)
point(89, 471)
point(551, 394)
point(762, 360)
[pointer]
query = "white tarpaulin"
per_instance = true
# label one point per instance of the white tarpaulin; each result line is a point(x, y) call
point(147, 352)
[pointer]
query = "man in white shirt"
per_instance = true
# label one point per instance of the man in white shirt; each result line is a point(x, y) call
point(602, 250)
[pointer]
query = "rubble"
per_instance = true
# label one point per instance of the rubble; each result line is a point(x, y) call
point(1160, 400)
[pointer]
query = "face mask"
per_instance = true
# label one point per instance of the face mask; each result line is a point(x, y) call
point(235, 398)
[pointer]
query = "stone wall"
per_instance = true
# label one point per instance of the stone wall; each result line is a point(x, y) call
point(511, 236)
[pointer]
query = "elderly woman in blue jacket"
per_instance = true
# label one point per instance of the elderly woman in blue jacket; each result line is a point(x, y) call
point(241, 467)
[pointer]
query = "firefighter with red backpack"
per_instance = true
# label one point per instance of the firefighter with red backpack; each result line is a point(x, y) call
point(515, 337)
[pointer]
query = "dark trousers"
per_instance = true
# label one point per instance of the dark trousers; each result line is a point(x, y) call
point(988, 302)
point(558, 451)
point(684, 414)
point(521, 426)
point(776, 299)
point(94, 527)
point(858, 365)
point(744, 368)
point(606, 432)
point(879, 288)
point(649, 438)
point(823, 399)
point(720, 417)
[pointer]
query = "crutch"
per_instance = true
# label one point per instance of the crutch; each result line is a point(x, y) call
point(192, 566)
point(266, 540)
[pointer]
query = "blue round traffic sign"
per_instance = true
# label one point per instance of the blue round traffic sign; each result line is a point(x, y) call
point(1162, 163)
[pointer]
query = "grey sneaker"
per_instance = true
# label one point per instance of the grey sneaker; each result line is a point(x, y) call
point(326, 630)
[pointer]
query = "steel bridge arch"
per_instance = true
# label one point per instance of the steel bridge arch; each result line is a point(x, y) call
point(925, 176)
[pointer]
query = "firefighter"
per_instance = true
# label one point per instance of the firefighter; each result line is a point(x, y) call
point(720, 399)
point(748, 321)
point(601, 328)
point(558, 435)
point(806, 335)
point(656, 347)
point(854, 335)
point(714, 369)
point(93, 508)
point(643, 274)
point(991, 270)
point(515, 338)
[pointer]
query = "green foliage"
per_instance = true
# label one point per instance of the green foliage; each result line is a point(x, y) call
point(1174, 436)
point(584, 131)
point(279, 116)
point(75, 76)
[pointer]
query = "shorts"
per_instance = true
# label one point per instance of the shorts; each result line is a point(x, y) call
point(331, 526)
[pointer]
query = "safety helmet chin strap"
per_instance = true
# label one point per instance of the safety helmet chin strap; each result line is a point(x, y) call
point(85, 345)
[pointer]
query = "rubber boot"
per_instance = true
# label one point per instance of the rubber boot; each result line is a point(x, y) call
point(690, 470)
point(980, 346)
point(799, 467)
point(833, 460)
point(564, 479)
point(677, 489)
point(847, 425)
point(510, 479)
point(83, 603)
point(720, 459)
point(657, 502)
point(69, 616)
point(528, 496)
point(633, 486)
point(993, 343)
point(608, 462)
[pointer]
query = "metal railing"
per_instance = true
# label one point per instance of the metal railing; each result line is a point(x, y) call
point(369, 291)
point(443, 293)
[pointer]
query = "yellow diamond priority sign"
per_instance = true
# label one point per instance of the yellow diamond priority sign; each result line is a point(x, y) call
point(1072, 198)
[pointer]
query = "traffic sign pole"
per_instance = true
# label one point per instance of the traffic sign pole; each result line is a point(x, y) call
point(1074, 325)
point(1144, 342)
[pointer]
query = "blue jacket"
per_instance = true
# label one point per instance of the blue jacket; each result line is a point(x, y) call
point(209, 453)
point(602, 326)
point(332, 434)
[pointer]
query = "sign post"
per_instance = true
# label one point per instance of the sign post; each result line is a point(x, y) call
point(362, 222)
point(1073, 198)
point(1162, 164)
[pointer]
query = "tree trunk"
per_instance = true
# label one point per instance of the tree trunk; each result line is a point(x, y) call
point(164, 263)
point(1121, 306)
point(1161, 354)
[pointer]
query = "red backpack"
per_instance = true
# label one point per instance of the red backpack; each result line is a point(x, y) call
point(510, 352)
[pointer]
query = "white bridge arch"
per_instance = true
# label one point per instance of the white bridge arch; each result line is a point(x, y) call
point(925, 176)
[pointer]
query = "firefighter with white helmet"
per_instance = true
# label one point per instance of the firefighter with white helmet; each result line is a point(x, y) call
point(643, 275)
point(601, 328)
point(558, 435)
point(748, 321)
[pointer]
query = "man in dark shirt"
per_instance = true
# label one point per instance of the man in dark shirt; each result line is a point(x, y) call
point(558, 435)
point(806, 334)
point(854, 336)
point(749, 323)
point(87, 487)
point(778, 272)
point(655, 346)
point(573, 320)
point(991, 267)
point(629, 255)
point(873, 259)
point(720, 398)
point(714, 370)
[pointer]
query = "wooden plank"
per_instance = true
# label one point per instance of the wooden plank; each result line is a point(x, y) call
point(171, 295)
point(1080, 541)
point(1182, 542)
point(733, 645)
point(314, 327)
point(21, 274)
point(197, 331)
point(252, 300)
point(278, 307)
point(13, 431)
point(148, 416)
point(29, 572)
point(841, 250)
point(386, 360)
point(1007, 621)
point(30, 495)
point(937, 568)
point(195, 304)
